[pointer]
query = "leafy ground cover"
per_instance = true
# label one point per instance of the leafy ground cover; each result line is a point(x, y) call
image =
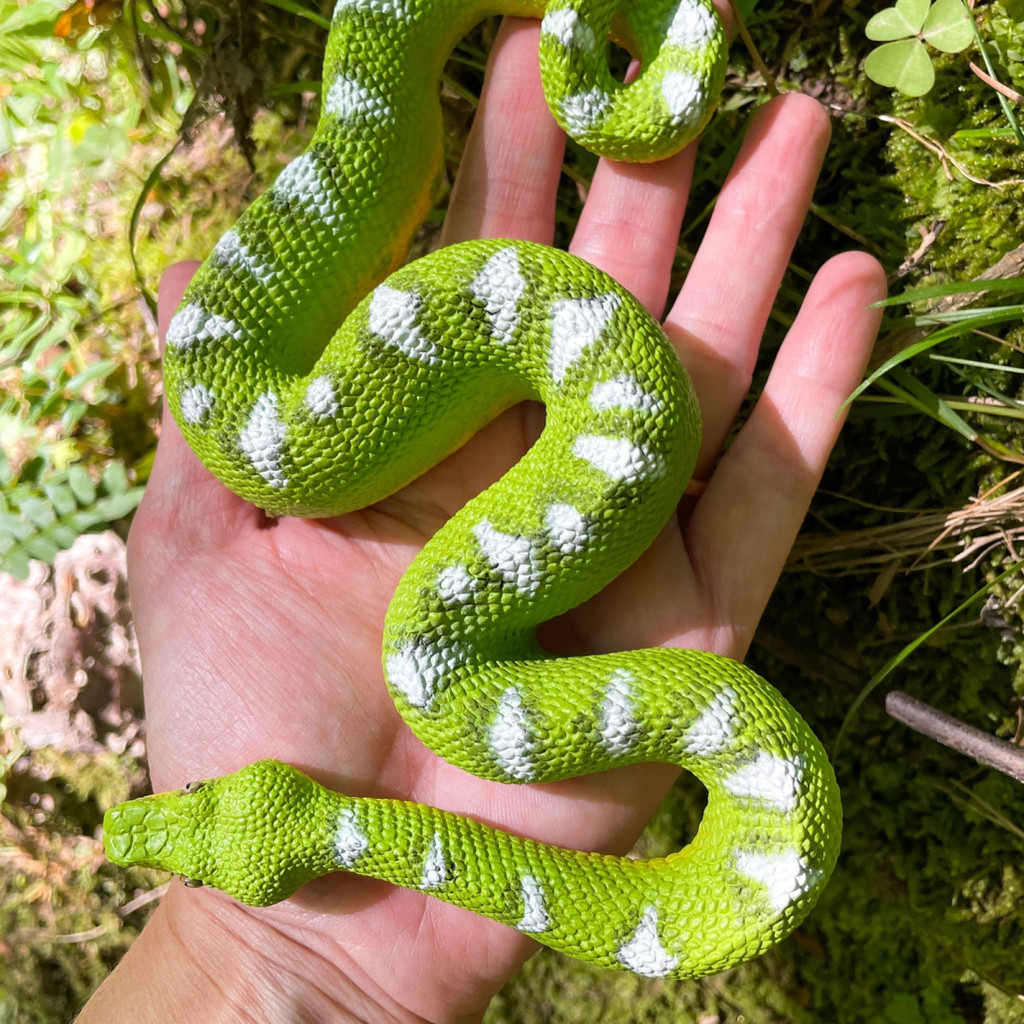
point(921, 508)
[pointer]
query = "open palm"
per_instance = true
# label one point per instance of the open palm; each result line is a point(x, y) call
point(262, 638)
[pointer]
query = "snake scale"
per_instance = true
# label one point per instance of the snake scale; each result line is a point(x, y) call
point(302, 416)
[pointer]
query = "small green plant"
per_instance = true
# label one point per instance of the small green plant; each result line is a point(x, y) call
point(73, 421)
point(902, 61)
point(37, 526)
point(979, 368)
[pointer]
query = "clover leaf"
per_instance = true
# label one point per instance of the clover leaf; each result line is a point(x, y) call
point(902, 62)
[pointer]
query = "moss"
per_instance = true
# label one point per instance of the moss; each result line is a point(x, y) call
point(59, 898)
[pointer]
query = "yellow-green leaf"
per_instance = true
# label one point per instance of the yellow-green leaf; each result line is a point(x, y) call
point(905, 19)
point(948, 26)
point(902, 65)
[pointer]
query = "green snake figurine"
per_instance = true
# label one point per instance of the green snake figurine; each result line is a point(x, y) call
point(301, 420)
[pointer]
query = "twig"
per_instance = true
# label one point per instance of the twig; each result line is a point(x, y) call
point(143, 898)
point(944, 155)
point(755, 56)
point(68, 938)
point(1009, 93)
point(965, 739)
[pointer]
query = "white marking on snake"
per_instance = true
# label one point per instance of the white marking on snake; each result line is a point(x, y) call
point(499, 286)
point(787, 875)
point(233, 252)
point(622, 393)
point(619, 726)
point(455, 585)
point(565, 25)
point(511, 554)
point(192, 323)
point(510, 736)
point(347, 99)
point(301, 182)
point(393, 320)
point(567, 528)
point(575, 325)
point(393, 8)
point(644, 952)
point(716, 725)
point(321, 399)
point(535, 915)
point(435, 870)
point(262, 439)
point(618, 458)
point(692, 26)
point(683, 94)
point(349, 842)
point(195, 402)
point(769, 778)
point(581, 111)
point(418, 670)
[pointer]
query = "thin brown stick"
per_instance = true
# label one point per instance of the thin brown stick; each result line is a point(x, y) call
point(951, 732)
point(1009, 93)
point(755, 56)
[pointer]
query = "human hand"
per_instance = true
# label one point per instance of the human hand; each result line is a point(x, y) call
point(262, 639)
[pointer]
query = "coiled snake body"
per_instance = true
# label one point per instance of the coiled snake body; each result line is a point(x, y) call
point(300, 422)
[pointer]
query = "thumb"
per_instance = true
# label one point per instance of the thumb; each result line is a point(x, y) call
point(185, 508)
point(172, 286)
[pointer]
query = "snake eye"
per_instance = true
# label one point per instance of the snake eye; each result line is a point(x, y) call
point(193, 787)
point(192, 883)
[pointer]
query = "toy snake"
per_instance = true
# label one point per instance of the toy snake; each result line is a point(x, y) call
point(303, 417)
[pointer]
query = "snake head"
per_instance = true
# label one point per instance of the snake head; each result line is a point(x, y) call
point(249, 834)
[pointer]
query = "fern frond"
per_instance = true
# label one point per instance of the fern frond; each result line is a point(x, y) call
point(38, 524)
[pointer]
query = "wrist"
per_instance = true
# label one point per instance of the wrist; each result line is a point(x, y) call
point(205, 958)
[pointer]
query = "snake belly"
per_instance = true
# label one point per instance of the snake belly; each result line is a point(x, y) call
point(301, 416)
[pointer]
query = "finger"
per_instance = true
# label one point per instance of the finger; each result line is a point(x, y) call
point(744, 524)
point(721, 312)
point(508, 178)
point(173, 283)
point(630, 223)
point(175, 470)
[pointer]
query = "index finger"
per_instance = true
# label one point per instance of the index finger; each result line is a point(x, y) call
point(724, 304)
point(184, 506)
point(508, 178)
